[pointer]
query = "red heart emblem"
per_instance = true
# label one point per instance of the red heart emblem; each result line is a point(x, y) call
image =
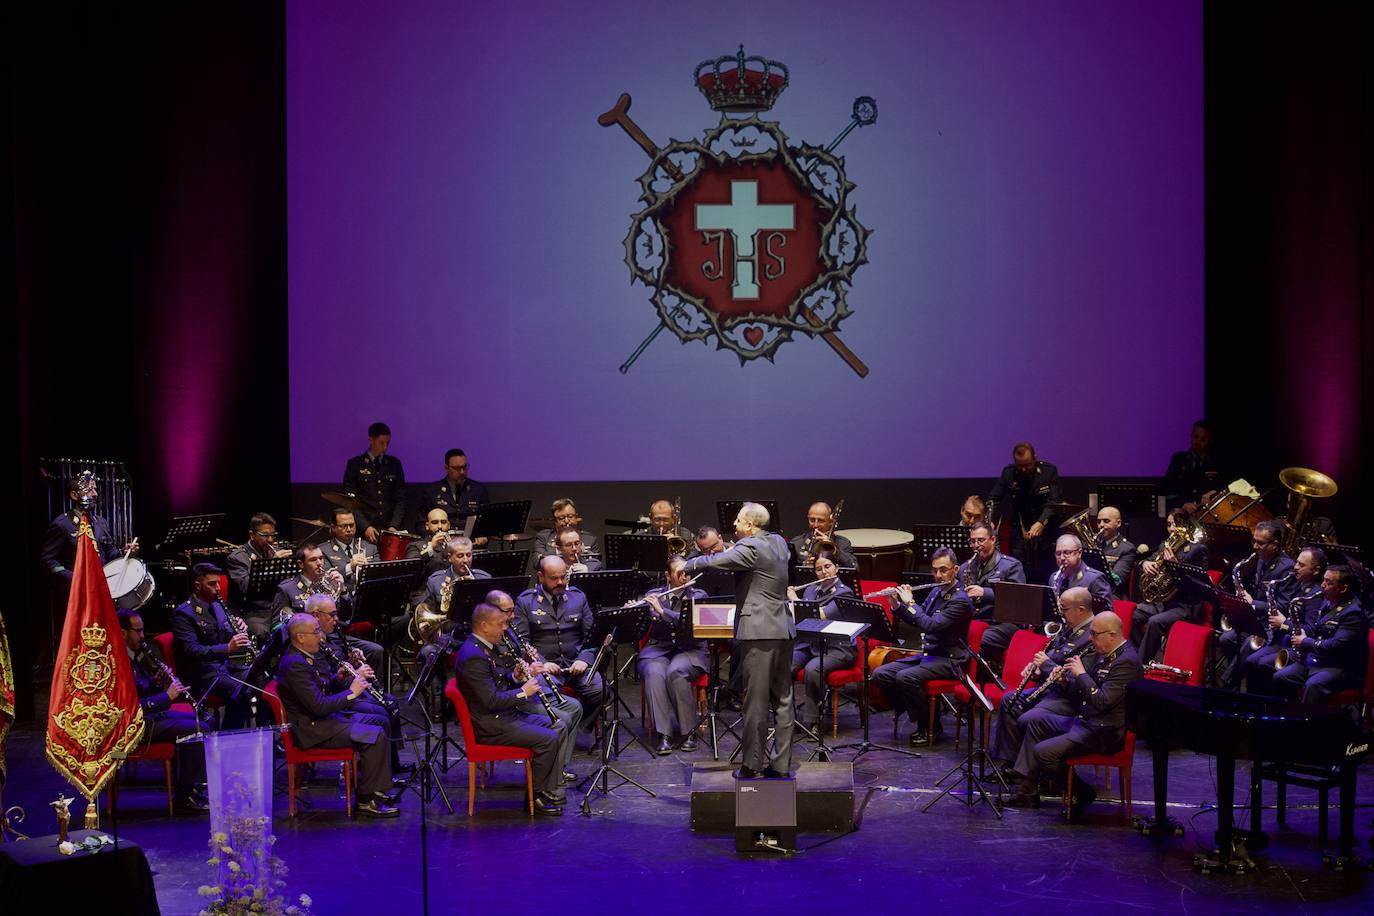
point(754, 336)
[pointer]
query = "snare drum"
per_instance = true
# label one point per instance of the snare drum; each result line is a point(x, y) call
point(392, 544)
point(882, 552)
point(131, 585)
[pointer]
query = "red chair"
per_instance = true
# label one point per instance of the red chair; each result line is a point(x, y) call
point(166, 644)
point(1024, 645)
point(160, 752)
point(486, 753)
point(1186, 649)
point(1359, 696)
point(1126, 611)
point(297, 757)
point(1122, 760)
point(936, 689)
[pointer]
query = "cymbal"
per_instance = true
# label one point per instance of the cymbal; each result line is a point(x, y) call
point(343, 500)
point(1064, 507)
point(315, 522)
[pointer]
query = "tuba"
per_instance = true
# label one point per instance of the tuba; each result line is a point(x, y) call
point(1303, 485)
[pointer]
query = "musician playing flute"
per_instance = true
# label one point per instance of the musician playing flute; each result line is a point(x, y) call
point(807, 654)
point(668, 664)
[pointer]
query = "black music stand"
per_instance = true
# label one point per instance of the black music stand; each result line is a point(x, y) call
point(926, 538)
point(428, 775)
point(877, 628)
point(1133, 500)
point(607, 588)
point(975, 755)
point(265, 574)
point(468, 593)
point(621, 625)
point(382, 592)
point(502, 562)
point(184, 530)
point(1022, 603)
point(728, 509)
point(825, 631)
point(1094, 557)
point(642, 552)
point(712, 619)
point(502, 522)
point(716, 582)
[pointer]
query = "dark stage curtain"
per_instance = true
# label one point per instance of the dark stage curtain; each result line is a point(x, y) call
point(149, 161)
point(1288, 116)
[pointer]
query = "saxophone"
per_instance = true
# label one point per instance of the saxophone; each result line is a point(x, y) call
point(1159, 586)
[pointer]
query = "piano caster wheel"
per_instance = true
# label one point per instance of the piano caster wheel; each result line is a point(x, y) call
point(1148, 826)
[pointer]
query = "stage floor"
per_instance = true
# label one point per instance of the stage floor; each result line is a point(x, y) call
point(639, 854)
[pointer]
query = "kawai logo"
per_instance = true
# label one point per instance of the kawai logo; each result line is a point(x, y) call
point(745, 239)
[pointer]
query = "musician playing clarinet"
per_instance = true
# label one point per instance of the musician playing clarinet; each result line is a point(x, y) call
point(209, 650)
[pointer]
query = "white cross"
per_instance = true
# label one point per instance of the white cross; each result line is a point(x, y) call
point(743, 217)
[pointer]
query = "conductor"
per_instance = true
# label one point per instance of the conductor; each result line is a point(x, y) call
point(764, 631)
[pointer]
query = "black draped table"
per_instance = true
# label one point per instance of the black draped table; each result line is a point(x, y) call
point(33, 873)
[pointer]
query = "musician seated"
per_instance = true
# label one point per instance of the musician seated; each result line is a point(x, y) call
point(943, 619)
point(457, 494)
point(565, 708)
point(556, 618)
point(709, 541)
point(662, 519)
point(807, 654)
point(668, 665)
point(1330, 654)
point(973, 510)
point(1255, 667)
point(1151, 621)
point(432, 548)
point(565, 517)
point(210, 650)
point(1267, 574)
point(162, 721)
point(321, 716)
point(345, 550)
point(335, 650)
point(984, 569)
point(820, 520)
point(261, 545)
point(495, 710)
point(1120, 553)
point(568, 546)
point(1098, 680)
point(1015, 710)
point(314, 577)
point(459, 569)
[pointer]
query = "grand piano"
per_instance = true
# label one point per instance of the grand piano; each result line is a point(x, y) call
point(1234, 726)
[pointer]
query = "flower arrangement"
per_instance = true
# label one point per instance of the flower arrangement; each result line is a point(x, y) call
point(249, 878)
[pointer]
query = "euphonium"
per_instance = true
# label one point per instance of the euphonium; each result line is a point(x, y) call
point(1159, 586)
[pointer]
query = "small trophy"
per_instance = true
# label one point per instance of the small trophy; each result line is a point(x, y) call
point(63, 807)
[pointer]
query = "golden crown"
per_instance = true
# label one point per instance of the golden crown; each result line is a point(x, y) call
point(93, 635)
point(740, 84)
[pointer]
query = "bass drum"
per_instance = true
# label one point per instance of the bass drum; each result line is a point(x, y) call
point(131, 585)
point(882, 552)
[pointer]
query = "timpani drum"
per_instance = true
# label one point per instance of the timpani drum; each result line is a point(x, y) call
point(882, 552)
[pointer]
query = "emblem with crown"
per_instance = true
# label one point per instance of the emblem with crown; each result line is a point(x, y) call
point(731, 85)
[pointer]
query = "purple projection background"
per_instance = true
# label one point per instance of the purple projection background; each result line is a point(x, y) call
point(456, 219)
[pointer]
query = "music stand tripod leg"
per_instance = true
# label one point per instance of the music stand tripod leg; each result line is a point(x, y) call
point(867, 745)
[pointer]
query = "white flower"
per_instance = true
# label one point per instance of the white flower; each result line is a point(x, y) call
point(66, 847)
point(233, 866)
point(306, 901)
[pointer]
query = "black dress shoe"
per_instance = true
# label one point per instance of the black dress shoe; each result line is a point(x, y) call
point(770, 773)
point(388, 798)
point(191, 803)
point(665, 747)
point(377, 807)
point(918, 739)
point(688, 744)
point(545, 808)
point(399, 781)
point(1083, 796)
point(569, 777)
point(747, 773)
point(1022, 800)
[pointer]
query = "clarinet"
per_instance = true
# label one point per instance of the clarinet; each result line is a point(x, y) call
point(522, 668)
point(523, 650)
point(162, 672)
point(352, 672)
point(1054, 677)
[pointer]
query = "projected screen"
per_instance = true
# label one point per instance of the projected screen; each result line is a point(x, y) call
point(1011, 250)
